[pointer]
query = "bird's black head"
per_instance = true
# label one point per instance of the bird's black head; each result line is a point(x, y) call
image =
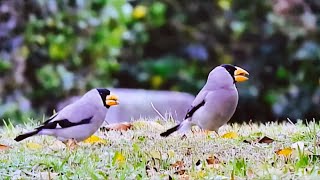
point(231, 69)
point(103, 94)
point(238, 74)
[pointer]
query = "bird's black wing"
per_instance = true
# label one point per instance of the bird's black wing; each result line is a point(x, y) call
point(63, 123)
point(194, 109)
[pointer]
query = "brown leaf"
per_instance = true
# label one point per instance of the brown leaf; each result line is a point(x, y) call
point(266, 140)
point(184, 177)
point(180, 172)
point(125, 126)
point(213, 160)
point(4, 147)
point(178, 164)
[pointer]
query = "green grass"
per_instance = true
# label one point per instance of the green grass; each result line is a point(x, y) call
point(141, 153)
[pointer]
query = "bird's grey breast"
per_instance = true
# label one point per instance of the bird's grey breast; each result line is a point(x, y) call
point(219, 107)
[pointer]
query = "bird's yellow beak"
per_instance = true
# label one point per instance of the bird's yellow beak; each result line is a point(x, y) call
point(240, 75)
point(112, 100)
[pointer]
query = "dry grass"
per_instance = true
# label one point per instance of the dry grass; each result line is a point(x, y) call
point(140, 153)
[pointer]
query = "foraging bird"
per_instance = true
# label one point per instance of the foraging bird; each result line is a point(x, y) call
point(79, 120)
point(215, 103)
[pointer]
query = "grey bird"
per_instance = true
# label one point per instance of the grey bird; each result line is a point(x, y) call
point(79, 120)
point(216, 102)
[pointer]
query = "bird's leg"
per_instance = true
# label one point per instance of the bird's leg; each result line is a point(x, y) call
point(71, 144)
point(217, 134)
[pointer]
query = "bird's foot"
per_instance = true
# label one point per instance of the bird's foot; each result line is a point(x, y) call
point(71, 144)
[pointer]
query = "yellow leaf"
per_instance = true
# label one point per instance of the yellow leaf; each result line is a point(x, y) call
point(33, 145)
point(225, 4)
point(171, 153)
point(118, 158)
point(201, 173)
point(284, 152)
point(156, 81)
point(230, 135)
point(139, 12)
point(95, 139)
point(155, 154)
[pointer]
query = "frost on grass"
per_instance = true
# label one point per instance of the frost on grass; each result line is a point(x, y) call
point(140, 153)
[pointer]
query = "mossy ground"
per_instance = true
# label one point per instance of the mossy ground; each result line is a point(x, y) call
point(140, 153)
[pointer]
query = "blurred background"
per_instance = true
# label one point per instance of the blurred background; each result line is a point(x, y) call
point(53, 49)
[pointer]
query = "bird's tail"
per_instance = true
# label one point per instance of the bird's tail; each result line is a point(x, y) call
point(26, 135)
point(183, 126)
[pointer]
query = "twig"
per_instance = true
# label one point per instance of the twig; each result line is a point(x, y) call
point(163, 118)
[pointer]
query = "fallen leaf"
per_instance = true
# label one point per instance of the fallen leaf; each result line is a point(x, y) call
point(286, 152)
point(266, 140)
point(178, 164)
point(171, 153)
point(250, 173)
point(95, 139)
point(33, 145)
point(125, 126)
point(155, 154)
point(180, 172)
point(4, 147)
point(212, 160)
point(230, 135)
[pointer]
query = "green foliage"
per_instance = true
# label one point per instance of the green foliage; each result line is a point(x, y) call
point(52, 49)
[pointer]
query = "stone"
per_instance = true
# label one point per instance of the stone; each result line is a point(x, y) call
point(139, 103)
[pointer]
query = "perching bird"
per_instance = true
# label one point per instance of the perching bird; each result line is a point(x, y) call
point(215, 103)
point(79, 120)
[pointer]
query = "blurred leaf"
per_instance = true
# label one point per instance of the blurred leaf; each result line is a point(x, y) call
point(48, 77)
point(156, 82)
point(58, 48)
point(139, 12)
point(4, 65)
point(282, 73)
point(157, 13)
point(309, 50)
point(225, 4)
